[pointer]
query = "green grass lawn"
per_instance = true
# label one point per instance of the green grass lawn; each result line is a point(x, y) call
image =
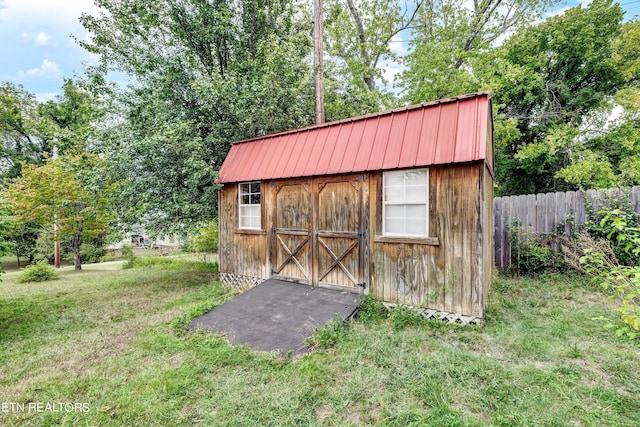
point(113, 340)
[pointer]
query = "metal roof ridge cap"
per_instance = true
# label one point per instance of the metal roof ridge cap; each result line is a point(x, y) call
point(488, 94)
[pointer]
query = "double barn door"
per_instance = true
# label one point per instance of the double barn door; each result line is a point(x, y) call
point(319, 234)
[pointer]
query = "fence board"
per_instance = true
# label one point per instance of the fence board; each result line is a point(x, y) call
point(542, 213)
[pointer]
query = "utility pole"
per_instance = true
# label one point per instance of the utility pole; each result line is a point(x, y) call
point(318, 31)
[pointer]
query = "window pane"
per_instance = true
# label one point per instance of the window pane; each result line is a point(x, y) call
point(417, 212)
point(394, 194)
point(416, 177)
point(250, 216)
point(394, 226)
point(244, 199)
point(255, 187)
point(416, 194)
point(255, 199)
point(416, 227)
point(244, 188)
point(395, 211)
point(406, 201)
point(395, 178)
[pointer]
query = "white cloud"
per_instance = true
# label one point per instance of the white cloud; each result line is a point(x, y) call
point(39, 39)
point(48, 70)
point(558, 12)
point(397, 45)
point(46, 12)
point(390, 70)
point(46, 96)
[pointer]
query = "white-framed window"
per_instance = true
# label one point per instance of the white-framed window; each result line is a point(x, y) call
point(249, 200)
point(405, 203)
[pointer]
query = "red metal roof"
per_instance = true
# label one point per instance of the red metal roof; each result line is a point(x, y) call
point(446, 131)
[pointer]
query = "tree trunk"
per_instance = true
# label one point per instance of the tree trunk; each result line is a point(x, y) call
point(18, 257)
point(75, 247)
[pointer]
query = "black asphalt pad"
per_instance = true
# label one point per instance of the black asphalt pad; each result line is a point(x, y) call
point(277, 315)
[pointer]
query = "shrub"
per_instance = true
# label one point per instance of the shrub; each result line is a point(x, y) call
point(371, 310)
point(402, 317)
point(38, 272)
point(90, 253)
point(620, 227)
point(624, 282)
point(108, 257)
point(206, 241)
point(533, 254)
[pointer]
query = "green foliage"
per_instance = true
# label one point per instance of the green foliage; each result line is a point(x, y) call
point(563, 105)
point(532, 254)
point(371, 310)
point(618, 270)
point(90, 253)
point(401, 317)
point(328, 335)
point(5, 227)
point(220, 72)
point(38, 272)
point(358, 36)
point(126, 252)
point(624, 283)
point(20, 140)
point(452, 45)
point(23, 238)
point(53, 193)
point(620, 227)
point(206, 240)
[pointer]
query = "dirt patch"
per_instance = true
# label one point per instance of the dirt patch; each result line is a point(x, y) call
point(323, 412)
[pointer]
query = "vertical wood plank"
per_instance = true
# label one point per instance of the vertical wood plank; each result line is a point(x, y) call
point(530, 212)
point(560, 211)
point(497, 246)
point(580, 207)
point(635, 199)
point(540, 209)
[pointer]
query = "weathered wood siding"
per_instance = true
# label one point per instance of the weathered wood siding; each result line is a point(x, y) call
point(449, 276)
point(487, 232)
point(332, 226)
point(241, 252)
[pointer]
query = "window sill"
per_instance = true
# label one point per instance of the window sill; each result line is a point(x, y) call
point(250, 231)
point(431, 241)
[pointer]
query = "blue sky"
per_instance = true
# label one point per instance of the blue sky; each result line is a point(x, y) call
point(37, 48)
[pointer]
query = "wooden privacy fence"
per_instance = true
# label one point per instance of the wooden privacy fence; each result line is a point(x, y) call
point(542, 213)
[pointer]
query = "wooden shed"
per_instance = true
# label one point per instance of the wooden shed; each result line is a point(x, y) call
point(397, 205)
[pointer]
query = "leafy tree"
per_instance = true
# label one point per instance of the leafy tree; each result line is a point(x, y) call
point(52, 194)
point(5, 225)
point(204, 74)
point(22, 237)
point(558, 80)
point(68, 122)
point(358, 35)
point(19, 135)
point(451, 40)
